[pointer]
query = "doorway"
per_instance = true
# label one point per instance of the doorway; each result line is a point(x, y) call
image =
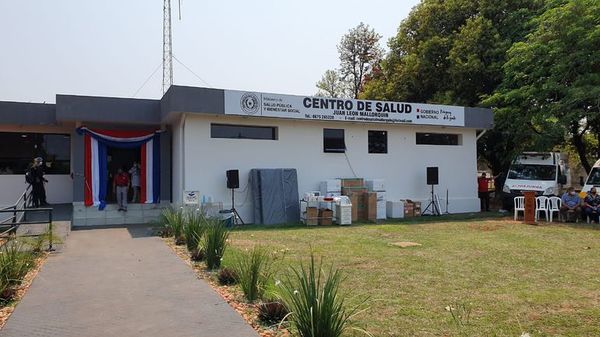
point(120, 158)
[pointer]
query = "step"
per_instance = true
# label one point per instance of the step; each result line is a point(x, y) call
point(110, 215)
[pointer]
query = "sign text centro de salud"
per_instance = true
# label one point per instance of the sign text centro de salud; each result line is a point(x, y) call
point(345, 110)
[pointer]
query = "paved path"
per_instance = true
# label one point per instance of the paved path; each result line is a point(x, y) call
point(121, 282)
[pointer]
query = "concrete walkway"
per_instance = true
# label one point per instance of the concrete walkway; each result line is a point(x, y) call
point(121, 282)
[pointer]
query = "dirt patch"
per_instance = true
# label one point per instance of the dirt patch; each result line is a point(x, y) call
point(405, 244)
point(6, 311)
point(231, 294)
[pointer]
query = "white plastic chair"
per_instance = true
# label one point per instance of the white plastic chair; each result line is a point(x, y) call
point(519, 206)
point(554, 206)
point(541, 205)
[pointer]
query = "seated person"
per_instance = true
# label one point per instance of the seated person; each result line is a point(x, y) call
point(591, 204)
point(571, 203)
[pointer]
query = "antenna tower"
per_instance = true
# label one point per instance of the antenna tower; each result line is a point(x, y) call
point(168, 45)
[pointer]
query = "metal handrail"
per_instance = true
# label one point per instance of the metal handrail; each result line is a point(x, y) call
point(19, 216)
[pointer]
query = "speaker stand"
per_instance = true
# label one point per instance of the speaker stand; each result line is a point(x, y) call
point(435, 210)
point(236, 215)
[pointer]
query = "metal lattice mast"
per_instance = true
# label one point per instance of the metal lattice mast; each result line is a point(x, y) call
point(167, 47)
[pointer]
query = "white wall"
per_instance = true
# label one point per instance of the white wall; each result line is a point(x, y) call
point(59, 188)
point(300, 146)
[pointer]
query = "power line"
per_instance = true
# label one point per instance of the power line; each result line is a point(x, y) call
point(148, 79)
point(191, 71)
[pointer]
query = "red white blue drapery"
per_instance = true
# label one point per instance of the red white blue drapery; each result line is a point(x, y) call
point(96, 158)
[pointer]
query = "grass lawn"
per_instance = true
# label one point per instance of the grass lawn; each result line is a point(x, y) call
point(544, 280)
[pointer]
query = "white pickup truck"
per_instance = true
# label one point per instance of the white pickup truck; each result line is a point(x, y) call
point(545, 173)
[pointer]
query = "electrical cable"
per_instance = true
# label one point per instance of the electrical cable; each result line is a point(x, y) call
point(148, 79)
point(350, 165)
point(191, 71)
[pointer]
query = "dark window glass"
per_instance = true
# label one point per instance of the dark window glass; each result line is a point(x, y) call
point(242, 131)
point(437, 139)
point(377, 141)
point(19, 149)
point(333, 140)
point(532, 172)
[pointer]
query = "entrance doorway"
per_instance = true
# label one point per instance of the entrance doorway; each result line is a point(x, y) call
point(120, 158)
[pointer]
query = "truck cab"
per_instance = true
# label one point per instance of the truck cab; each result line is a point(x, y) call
point(545, 173)
point(593, 179)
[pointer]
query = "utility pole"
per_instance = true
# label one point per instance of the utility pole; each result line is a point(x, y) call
point(167, 47)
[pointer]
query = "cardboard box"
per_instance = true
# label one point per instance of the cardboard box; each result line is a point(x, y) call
point(353, 182)
point(312, 216)
point(371, 203)
point(348, 190)
point(325, 217)
point(417, 208)
point(409, 209)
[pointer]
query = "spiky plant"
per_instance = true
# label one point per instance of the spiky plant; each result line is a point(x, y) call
point(173, 220)
point(214, 242)
point(193, 231)
point(317, 308)
point(254, 270)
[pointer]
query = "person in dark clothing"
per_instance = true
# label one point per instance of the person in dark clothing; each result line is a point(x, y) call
point(484, 192)
point(591, 205)
point(38, 191)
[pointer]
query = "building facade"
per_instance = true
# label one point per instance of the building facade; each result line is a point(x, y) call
point(205, 132)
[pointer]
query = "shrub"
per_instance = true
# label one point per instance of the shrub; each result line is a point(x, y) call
point(193, 231)
point(317, 309)
point(272, 312)
point(214, 242)
point(227, 276)
point(254, 271)
point(173, 220)
point(14, 265)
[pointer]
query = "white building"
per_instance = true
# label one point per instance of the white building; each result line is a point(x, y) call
point(208, 131)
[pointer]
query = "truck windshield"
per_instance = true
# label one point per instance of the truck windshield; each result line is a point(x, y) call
point(532, 172)
point(594, 177)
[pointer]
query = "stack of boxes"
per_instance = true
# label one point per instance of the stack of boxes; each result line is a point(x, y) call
point(377, 186)
point(364, 204)
point(412, 208)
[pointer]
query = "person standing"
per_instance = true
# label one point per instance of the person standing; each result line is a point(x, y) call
point(134, 171)
point(483, 189)
point(37, 180)
point(591, 205)
point(121, 185)
point(570, 204)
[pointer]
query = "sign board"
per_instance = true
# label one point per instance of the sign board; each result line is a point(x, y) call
point(246, 103)
point(191, 198)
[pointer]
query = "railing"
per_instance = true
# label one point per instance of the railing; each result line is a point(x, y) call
point(18, 216)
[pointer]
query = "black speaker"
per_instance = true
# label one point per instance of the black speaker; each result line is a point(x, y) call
point(233, 178)
point(432, 176)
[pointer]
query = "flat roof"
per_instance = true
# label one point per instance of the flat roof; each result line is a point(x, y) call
point(199, 100)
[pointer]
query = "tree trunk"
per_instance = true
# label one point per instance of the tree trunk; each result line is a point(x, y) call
point(579, 145)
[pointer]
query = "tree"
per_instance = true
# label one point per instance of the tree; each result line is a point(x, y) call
point(331, 85)
point(551, 80)
point(360, 54)
point(452, 52)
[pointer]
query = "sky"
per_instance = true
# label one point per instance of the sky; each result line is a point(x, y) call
point(111, 47)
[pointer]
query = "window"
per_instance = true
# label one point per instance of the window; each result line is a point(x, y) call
point(532, 172)
point(438, 139)
point(243, 132)
point(377, 141)
point(333, 141)
point(19, 149)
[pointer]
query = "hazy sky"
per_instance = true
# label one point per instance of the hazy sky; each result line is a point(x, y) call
point(110, 47)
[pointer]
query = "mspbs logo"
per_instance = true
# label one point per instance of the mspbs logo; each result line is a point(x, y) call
point(250, 103)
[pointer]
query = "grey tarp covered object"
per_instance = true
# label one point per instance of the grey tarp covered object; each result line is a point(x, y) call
point(275, 196)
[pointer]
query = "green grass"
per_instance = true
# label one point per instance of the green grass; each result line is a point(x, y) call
point(514, 278)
